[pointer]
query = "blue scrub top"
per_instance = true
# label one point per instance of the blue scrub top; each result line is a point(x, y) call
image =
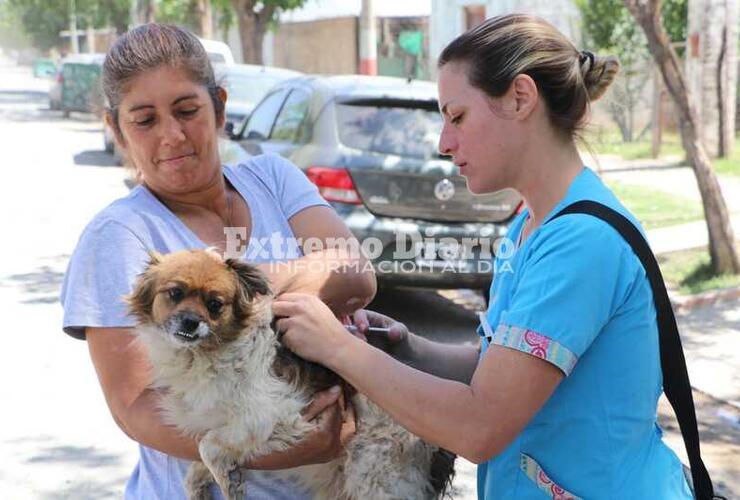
point(575, 295)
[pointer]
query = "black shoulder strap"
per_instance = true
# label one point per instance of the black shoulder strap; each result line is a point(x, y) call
point(675, 376)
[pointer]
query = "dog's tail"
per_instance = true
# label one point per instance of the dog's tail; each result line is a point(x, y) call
point(442, 471)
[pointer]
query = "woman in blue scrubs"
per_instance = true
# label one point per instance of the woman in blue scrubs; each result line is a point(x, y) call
point(560, 399)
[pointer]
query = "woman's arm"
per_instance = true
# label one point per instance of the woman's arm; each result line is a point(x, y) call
point(124, 373)
point(333, 267)
point(450, 361)
point(476, 421)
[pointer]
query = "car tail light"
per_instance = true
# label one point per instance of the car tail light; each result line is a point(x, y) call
point(335, 184)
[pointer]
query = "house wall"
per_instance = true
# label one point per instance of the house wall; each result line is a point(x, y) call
point(448, 19)
point(321, 46)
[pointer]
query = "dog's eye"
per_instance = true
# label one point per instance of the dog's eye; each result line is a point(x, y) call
point(176, 294)
point(214, 306)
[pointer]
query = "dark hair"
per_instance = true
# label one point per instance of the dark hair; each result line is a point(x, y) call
point(148, 47)
point(506, 46)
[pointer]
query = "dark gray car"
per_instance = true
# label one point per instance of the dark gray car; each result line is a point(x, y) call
point(370, 145)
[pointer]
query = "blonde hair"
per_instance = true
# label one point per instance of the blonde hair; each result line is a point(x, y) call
point(503, 47)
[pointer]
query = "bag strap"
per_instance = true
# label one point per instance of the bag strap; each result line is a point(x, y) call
point(673, 364)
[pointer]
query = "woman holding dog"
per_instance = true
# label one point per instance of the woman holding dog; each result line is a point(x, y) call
point(560, 398)
point(166, 110)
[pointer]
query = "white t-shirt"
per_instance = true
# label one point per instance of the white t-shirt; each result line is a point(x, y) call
point(113, 250)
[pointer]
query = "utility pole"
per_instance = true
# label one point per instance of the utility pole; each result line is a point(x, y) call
point(368, 40)
point(73, 27)
point(90, 36)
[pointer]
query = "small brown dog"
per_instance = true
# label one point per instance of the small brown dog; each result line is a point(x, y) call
point(206, 324)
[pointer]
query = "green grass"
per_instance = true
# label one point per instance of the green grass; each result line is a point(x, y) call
point(655, 209)
point(604, 140)
point(689, 272)
point(608, 140)
point(731, 165)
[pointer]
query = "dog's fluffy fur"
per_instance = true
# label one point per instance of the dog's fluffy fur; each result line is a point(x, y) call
point(206, 324)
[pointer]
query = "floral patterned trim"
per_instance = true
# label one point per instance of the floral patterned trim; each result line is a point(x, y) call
point(534, 472)
point(535, 344)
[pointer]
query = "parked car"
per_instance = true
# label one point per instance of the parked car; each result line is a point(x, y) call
point(370, 145)
point(246, 84)
point(77, 84)
point(218, 52)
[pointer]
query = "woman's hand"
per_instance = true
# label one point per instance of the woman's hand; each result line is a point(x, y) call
point(394, 342)
point(308, 327)
point(335, 426)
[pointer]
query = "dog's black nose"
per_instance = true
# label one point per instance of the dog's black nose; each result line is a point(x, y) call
point(189, 322)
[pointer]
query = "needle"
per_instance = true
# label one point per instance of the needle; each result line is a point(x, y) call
point(372, 329)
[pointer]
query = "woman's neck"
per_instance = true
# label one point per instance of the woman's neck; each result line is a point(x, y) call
point(546, 182)
point(213, 197)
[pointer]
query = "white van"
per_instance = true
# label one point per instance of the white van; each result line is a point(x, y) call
point(218, 52)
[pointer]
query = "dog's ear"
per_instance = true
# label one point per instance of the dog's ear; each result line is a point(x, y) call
point(145, 289)
point(251, 279)
point(251, 283)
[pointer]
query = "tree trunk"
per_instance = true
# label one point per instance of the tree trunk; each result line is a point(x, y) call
point(711, 70)
point(252, 28)
point(146, 11)
point(203, 13)
point(722, 250)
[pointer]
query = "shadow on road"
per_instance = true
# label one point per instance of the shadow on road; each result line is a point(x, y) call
point(88, 488)
point(720, 440)
point(27, 106)
point(74, 456)
point(444, 316)
point(40, 286)
point(711, 318)
point(80, 484)
point(23, 96)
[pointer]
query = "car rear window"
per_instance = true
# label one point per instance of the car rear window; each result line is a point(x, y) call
point(403, 128)
point(249, 88)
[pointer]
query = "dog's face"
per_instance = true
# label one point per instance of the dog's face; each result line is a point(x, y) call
point(196, 298)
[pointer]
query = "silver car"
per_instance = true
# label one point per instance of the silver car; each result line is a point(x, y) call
point(246, 85)
point(370, 145)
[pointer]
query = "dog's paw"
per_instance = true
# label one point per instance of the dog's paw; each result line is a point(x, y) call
point(237, 483)
point(202, 494)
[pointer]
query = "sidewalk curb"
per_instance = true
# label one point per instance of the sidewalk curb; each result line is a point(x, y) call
point(686, 303)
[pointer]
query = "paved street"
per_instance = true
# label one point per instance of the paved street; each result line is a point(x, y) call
point(58, 440)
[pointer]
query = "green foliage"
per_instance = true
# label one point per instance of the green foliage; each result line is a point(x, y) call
point(42, 20)
point(184, 13)
point(608, 25)
point(675, 19)
point(279, 5)
point(11, 33)
point(180, 12)
point(224, 15)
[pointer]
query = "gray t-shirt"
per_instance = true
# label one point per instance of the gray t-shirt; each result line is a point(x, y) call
point(113, 250)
